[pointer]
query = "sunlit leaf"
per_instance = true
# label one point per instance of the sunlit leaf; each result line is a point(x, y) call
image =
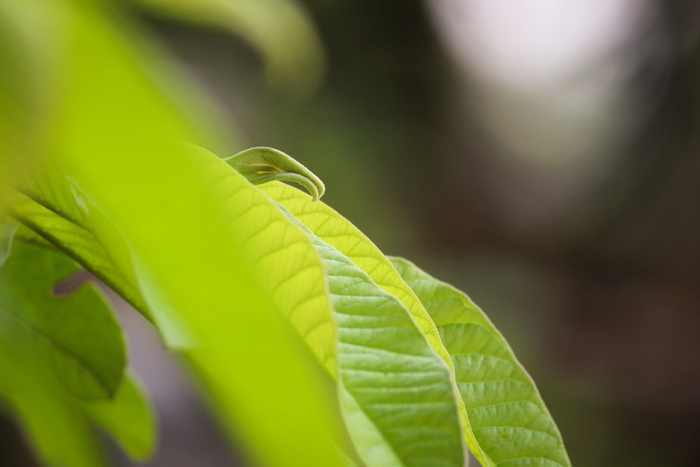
point(506, 413)
point(156, 208)
point(396, 392)
point(340, 233)
point(53, 215)
point(331, 227)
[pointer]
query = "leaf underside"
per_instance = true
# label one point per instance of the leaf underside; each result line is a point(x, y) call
point(506, 413)
point(394, 388)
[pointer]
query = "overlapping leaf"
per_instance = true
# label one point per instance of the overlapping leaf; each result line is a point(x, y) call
point(331, 227)
point(282, 256)
point(45, 205)
point(506, 413)
point(396, 392)
point(156, 209)
point(78, 334)
point(129, 419)
point(62, 363)
point(212, 260)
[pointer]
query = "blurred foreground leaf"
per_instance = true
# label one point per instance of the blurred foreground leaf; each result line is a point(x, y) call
point(158, 210)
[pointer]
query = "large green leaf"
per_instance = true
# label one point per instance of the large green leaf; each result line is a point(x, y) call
point(162, 215)
point(53, 349)
point(78, 334)
point(46, 206)
point(395, 391)
point(506, 413)
point(331, 227)
point(50, 207)
point(283, 258)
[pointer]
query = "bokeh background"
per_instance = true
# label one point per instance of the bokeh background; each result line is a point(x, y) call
point(543, 156)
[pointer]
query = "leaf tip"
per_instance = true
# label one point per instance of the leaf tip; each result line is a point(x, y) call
point(263, 164)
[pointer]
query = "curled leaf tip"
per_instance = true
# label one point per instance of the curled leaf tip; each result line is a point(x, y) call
point(261, 165)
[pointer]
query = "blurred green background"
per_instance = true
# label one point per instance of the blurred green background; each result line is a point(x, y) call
point(542, 156)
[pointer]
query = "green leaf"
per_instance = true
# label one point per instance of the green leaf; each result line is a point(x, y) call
point(160, 212)
point(7, 233)
point(23, 82)
point(129, 419)
point(331, 227)
point(52, 349)
point(395, 391)
point(280, 29)
point(47, 207)
point(262, 165)
point(79, 334)
point(506, 413)
point(340, 233)
point(54, 425)
point(57, 424)
point(283, 258)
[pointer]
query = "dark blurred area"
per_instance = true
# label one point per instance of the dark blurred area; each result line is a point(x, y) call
point(543, 156)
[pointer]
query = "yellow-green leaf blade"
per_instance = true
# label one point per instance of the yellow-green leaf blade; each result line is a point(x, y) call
point(283, 258)
point(331, 227)
point(72, 238)
point(506, 413)
point(396, 392)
